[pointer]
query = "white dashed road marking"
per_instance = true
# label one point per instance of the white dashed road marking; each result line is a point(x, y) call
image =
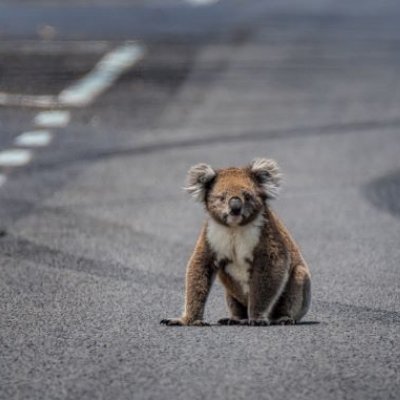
point(14, 157)
point(27, 100)
point(52, 119)
point(79, 94)
point(102, 76)
point(86, 89)
point(36, 138)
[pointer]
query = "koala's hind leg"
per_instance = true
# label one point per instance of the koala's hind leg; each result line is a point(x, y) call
point(295, 299)
point(237, 310)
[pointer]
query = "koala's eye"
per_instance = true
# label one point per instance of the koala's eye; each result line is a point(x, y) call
point(222, 197)
point(247, 196)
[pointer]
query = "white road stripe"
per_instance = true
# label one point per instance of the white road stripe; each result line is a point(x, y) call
point(103, 75)
point(37, 138)
point(14, 157)
point(52, 119)
point(86, 89)
point(3, 179)
point(27, 100)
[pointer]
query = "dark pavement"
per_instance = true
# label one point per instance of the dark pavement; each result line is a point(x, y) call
point(95, 231)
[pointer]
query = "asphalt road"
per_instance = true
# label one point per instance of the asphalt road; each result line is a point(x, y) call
point(95, 230)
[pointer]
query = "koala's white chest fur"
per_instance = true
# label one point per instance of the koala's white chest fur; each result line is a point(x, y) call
point(237, 245)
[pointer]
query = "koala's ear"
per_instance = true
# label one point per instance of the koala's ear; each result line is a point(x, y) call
point(267, 174)
point(199, 178)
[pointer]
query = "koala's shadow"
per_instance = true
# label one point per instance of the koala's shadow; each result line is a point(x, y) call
point(301, 323)
point(308, 323)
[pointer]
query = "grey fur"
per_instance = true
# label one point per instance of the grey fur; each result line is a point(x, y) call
point(268, 174)
point(197, 179)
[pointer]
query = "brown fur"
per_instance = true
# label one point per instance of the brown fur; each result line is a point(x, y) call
point(233, 182)
point(278, 278)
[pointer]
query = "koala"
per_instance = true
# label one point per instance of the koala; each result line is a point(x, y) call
point(246, 245)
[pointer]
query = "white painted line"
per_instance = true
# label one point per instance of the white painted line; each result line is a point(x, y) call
point(201, 2)
point(52, 119)
point(3, 179)
point(14, 157)
point(38, 138)
point(102, 76)
point(27, 100)
point(86, 89)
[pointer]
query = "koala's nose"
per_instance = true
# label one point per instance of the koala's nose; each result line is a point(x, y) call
point(235, 205)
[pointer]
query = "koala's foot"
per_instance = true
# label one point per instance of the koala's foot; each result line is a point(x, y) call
point(229, 321)
point(254, 322)
point(180, 322)
point(172, 322)
point(284, 321)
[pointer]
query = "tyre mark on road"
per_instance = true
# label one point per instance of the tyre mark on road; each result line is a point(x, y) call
point(72, 221)
point(384, 193)
point(23, 249)
point(223, 138)
point(356, 313)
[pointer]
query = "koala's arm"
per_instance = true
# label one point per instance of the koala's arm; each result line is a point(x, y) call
point(200, 274)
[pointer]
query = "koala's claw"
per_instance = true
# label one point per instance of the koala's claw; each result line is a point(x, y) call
point(171, 322)
point(285, 321)
point(179, 322)
point(228, 321)
point(255, 322)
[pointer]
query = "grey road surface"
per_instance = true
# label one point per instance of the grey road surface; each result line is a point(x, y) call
point(95, 231)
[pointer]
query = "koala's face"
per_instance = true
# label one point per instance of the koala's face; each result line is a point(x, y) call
point(234, 196)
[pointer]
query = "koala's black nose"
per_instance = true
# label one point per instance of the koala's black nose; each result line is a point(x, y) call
point(235, 205)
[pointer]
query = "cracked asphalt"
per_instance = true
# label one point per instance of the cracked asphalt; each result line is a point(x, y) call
point(95, 231)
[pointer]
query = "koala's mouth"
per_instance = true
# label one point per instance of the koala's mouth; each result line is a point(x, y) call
point(233, 219)
point(242, 218)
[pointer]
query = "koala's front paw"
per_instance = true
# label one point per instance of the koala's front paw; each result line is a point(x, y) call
point(172, 322)
point(181, 322)
point(255, 322)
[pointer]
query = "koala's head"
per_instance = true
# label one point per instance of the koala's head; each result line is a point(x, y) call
point(235, 196)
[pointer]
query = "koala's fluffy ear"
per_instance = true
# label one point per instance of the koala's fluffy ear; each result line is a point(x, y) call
point(267, 173)
point(198, 180)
